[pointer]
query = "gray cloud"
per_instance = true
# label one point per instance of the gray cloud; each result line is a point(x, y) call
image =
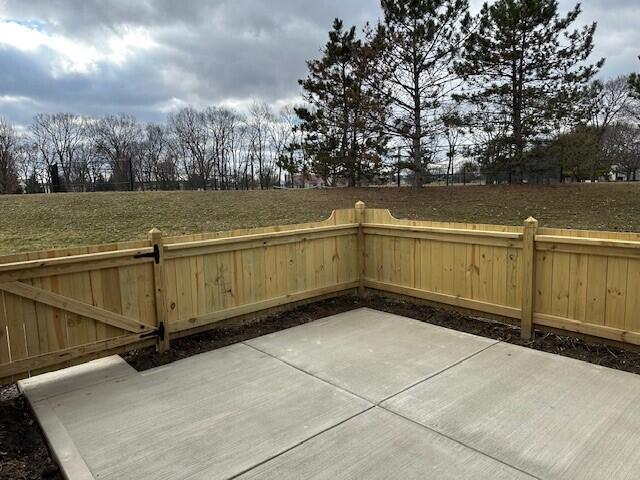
point(207, 52)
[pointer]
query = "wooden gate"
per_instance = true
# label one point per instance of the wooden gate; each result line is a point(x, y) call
point(56, 310)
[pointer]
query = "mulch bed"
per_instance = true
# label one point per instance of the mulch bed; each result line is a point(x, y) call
point(24, 455)
point(223, 336)
point(23, 452)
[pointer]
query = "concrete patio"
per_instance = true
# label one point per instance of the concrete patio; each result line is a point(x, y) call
point(363, 394)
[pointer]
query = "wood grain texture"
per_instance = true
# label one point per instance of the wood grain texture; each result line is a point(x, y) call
point(60, 300)
point(63, 306)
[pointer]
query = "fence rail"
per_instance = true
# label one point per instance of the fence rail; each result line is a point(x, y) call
point(66, 306)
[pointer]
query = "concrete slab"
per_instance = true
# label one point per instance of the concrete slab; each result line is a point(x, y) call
point(42, 387)
point(551, 416)
point(62, 447)
point(76, 377)
point(381, 445)
point(279, 407)
point(210, 416)
point(371, 353)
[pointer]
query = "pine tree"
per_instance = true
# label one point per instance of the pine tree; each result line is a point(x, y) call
point(419, 39)
point(523, 63)
point(345, 138)
point(580, 153)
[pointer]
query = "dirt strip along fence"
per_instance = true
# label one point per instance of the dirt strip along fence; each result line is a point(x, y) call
point(67, 306)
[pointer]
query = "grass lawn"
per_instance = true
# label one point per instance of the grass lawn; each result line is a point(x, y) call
point(34, 222)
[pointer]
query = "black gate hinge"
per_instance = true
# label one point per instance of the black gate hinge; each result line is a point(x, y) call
point(155, 254)
point(158, 332)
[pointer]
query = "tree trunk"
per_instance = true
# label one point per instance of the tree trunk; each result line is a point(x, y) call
point(418, 179)
point(417, 159)
point(516, 84)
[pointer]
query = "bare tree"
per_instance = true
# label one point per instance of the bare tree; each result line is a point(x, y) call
point(58, 136)
point(116, 137)
point(237, 146)
point(150, 153)
point(8, 154)
point(260, 119)
point(94, 165)
point(609, 102)
point(281, 138)
point(621, 144)
point(29, 166)
point(225, 126)
point(192, 137)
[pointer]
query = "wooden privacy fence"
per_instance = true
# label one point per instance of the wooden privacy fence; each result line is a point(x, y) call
point(65, 306)
point(579, 281)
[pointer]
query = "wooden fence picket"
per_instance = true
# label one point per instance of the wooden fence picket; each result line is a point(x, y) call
point(65, 306)
point(528, 276)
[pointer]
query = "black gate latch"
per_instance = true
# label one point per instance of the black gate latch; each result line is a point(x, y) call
point(155, 254)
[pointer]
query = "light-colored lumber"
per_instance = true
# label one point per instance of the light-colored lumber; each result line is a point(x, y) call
point(214, 317)
point(528, 276)
point(601, 331)
point(89, 257)
point(442, 230)
point(596, 290)
point(266, 237)
point(57, 300)
point(617, 269)
point(73, 267)
point(4, 340)
point(443, 298)
point(589, 249)
point(159, 289)
point(74, 306)
point(361, 253)
point(499, 239)
point(65, 355)
point(632, 310)
point(593, 242)
point(577, 287)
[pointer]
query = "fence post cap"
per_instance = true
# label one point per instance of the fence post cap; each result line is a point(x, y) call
point(360, 205)
point(531, 221)
point(154, 233)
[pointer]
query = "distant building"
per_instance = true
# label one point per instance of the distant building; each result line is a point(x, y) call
point(309, 181)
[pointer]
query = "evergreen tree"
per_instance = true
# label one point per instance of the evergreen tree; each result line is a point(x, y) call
point(580, 154)
point(525, 65)
point(418, 40)
point(345, 136)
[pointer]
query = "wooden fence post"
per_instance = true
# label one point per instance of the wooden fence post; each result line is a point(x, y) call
point(360, 218)
point(528, 277)
point(155, 237)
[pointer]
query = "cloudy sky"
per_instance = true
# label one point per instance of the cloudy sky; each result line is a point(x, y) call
point(149, 57)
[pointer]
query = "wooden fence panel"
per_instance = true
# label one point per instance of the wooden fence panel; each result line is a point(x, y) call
point(60, 307)
point(474, 266)
point(589, 282)
point(632, 308)
point(205, 278)
point(582, 281)
point(201, 288)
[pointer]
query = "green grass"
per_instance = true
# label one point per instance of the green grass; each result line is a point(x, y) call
point(34, 222)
